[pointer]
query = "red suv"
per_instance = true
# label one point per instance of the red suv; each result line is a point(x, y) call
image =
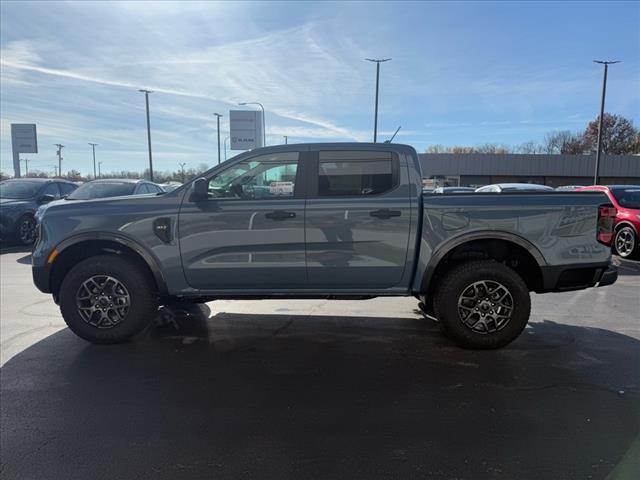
point(626, 199)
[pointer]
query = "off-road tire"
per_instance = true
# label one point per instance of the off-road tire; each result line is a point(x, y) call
point(143, 302)
point(457, 280)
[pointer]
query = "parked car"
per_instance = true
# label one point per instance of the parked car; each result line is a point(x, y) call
point(513, 187)
point(339, 221)
point(19, 200)
point(170, 186)
point(626, 199)
point(454, 190)
point(104, 188)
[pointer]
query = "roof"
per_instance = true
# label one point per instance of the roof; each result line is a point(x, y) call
point(119, 180)
point(37, 180)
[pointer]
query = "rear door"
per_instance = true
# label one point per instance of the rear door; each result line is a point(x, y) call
point(357, 220)
point(249, 234)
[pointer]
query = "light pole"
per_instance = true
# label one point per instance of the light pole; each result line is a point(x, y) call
point(99, 169)
point(286, 139)
point(264, 129)
point(182, 170)
point(59, 153)
point(218, 119)
point(596, 176)
point(375, 118)
point(26, 166)
point(225, 148)
point(93, 147)
point(146, 98)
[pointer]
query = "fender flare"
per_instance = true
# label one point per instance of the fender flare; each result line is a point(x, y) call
point(146, 256)
point(625, 223)
point(454, 242)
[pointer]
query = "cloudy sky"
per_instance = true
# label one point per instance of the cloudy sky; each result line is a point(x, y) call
point(462, 73)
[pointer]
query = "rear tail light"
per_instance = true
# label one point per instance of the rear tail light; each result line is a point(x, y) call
point(606, 217)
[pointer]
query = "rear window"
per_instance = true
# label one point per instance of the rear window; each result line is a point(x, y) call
point(102, 190)
point(355, 173)
point(627, 197)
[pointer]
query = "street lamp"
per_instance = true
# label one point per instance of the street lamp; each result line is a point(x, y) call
point(264, 130)
point(182, 170)
point(59, 153)
point(375, 118)
point(286, 139)
point(93, 147)
point(606, 64)
point(225, 148)
point(146, 99)
point(218, 119)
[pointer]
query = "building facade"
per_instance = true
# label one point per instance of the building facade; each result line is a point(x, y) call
point(477, 169)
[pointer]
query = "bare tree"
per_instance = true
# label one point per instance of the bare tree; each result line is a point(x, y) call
point(530, 147)
point(437, 149)
point(554, 142)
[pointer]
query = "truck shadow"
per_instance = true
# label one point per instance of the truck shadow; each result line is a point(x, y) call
point(281, 396)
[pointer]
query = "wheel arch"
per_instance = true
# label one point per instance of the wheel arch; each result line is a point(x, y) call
point(513, 250)
point(81, 247)
point(625, 223)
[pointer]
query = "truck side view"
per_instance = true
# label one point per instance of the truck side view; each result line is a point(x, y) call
point(338, 221)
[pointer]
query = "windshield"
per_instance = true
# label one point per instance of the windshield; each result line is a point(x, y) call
point(627, 197)
point(19, 190)
point(90, 190)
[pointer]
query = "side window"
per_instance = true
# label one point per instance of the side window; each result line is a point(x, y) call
point(51, 189)
point(66, 188)
point(355, 173)
point(266, 176)
point(142, 188)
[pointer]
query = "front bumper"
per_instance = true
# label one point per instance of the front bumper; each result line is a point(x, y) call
point(563, 278)
point(41, 277)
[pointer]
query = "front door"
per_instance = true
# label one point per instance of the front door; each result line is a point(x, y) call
point(249, 233)
point(357, 220)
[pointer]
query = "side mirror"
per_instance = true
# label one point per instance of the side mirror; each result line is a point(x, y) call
point(46, 198)
point(200, 190)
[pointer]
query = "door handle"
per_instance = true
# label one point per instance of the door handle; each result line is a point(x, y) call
point(385, 213)
point(280, 215)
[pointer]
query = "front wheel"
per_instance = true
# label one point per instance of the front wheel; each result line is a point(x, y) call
point(107, 299)
point(482, 304)
point(26, 230)
point(626, 242)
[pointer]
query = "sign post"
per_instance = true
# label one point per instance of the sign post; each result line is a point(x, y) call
point(23, 140)
point(245, 129)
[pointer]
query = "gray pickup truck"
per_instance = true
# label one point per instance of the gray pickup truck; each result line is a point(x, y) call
point(336, 221)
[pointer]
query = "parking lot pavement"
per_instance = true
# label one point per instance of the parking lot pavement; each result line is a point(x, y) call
point(315, 389)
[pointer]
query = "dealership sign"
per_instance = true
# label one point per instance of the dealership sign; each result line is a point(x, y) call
point(23, 140)
point(245, 129)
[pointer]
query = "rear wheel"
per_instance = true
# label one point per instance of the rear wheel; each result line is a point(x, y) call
point(626, 242)
point(107, 299)
point(482, 304)
point(26, 230)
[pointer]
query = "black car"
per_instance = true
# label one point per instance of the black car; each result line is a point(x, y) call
point(20, 198)
point(106, 188)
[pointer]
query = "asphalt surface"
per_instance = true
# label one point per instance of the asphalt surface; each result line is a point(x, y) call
point(318, 389)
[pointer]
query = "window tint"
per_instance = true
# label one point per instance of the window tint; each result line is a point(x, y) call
point(266, 176)
point(66, 188)
point(51, 189)
point(355, 176)
point(101, 189)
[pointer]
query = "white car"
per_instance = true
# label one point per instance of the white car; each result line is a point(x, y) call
point(514, 187)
